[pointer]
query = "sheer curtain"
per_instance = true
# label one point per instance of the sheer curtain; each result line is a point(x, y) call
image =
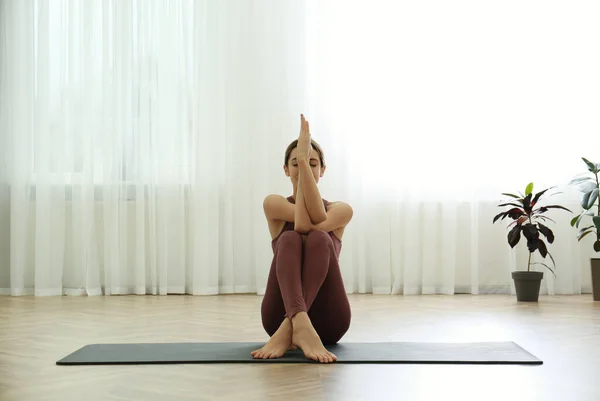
point(439, 107)
point(139, 138)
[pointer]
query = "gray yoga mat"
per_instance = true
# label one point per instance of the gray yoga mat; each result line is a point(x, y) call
point(239, 352)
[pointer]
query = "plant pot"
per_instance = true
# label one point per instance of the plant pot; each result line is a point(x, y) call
point(595, 265)
point(527, 285)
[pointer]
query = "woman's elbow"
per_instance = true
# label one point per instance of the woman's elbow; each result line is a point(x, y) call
point(320, 219)
point(301, 229)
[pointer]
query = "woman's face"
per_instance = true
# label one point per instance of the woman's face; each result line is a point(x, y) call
point(292, 170)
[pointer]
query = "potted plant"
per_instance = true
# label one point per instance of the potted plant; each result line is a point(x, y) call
point(528, 219)
point(589, 185)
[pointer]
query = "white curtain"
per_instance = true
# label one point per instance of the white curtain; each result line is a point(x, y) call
point(138, 138)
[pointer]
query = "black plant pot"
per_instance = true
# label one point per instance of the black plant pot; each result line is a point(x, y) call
point(527, 285)
point(595, 262)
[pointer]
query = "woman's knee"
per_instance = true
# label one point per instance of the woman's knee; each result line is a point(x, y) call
point(270, 325)
point(271, 316)
point(290, 237)
point(332, 326)
point(335, 335)
point(318, 238)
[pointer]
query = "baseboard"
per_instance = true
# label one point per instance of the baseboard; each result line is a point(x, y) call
point(227, 290)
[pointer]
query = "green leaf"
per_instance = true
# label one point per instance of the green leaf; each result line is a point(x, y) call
point(579, 180)
point(509, 204)
point(539, 195)
point(553, 262)
point(597, 246)
point(544, 209)
point(514, 236)
point(512, 195)
point(496, 217)
point(574, 220)
point(588, 186)
point(591, 166)
point(529, 188)
point(543, 218)
point(546, 232)
point(513, 213)
point(530, 231)
point(582, 236)
point(543, 264)
point(542, 248)
point(584, 229)
point(589, 199)
point(527, 203)
point(596, 220)
point(579, 220)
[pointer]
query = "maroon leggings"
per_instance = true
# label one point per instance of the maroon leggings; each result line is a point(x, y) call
point(306, 277)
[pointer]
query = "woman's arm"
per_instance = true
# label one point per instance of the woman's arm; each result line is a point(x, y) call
point(312, 197)
point(338, 216)
point(277, 211)
point(302, 222)
point(277, 208)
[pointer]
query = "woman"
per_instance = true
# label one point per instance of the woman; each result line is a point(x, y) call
point(305, 304)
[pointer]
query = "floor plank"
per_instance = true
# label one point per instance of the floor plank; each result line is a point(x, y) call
point(563, 331)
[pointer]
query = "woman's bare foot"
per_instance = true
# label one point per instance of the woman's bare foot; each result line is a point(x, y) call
point(306, 338)
point(278, 344)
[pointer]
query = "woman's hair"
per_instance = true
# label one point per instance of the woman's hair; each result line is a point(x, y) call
point(315, 146)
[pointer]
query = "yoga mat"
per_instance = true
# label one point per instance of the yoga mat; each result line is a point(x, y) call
point(239, 352)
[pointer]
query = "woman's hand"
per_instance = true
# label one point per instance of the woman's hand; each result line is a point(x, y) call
point(304, 143)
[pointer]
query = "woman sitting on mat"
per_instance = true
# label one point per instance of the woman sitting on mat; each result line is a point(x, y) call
point(305, 304)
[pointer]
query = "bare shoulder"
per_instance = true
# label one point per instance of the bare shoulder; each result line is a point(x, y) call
point(277, 206)
point(341, 212)
point(341, 206)
point(339, 216)
point(278, 210)
point(273, 200)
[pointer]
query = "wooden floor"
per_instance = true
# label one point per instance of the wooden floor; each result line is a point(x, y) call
point(563, 331)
